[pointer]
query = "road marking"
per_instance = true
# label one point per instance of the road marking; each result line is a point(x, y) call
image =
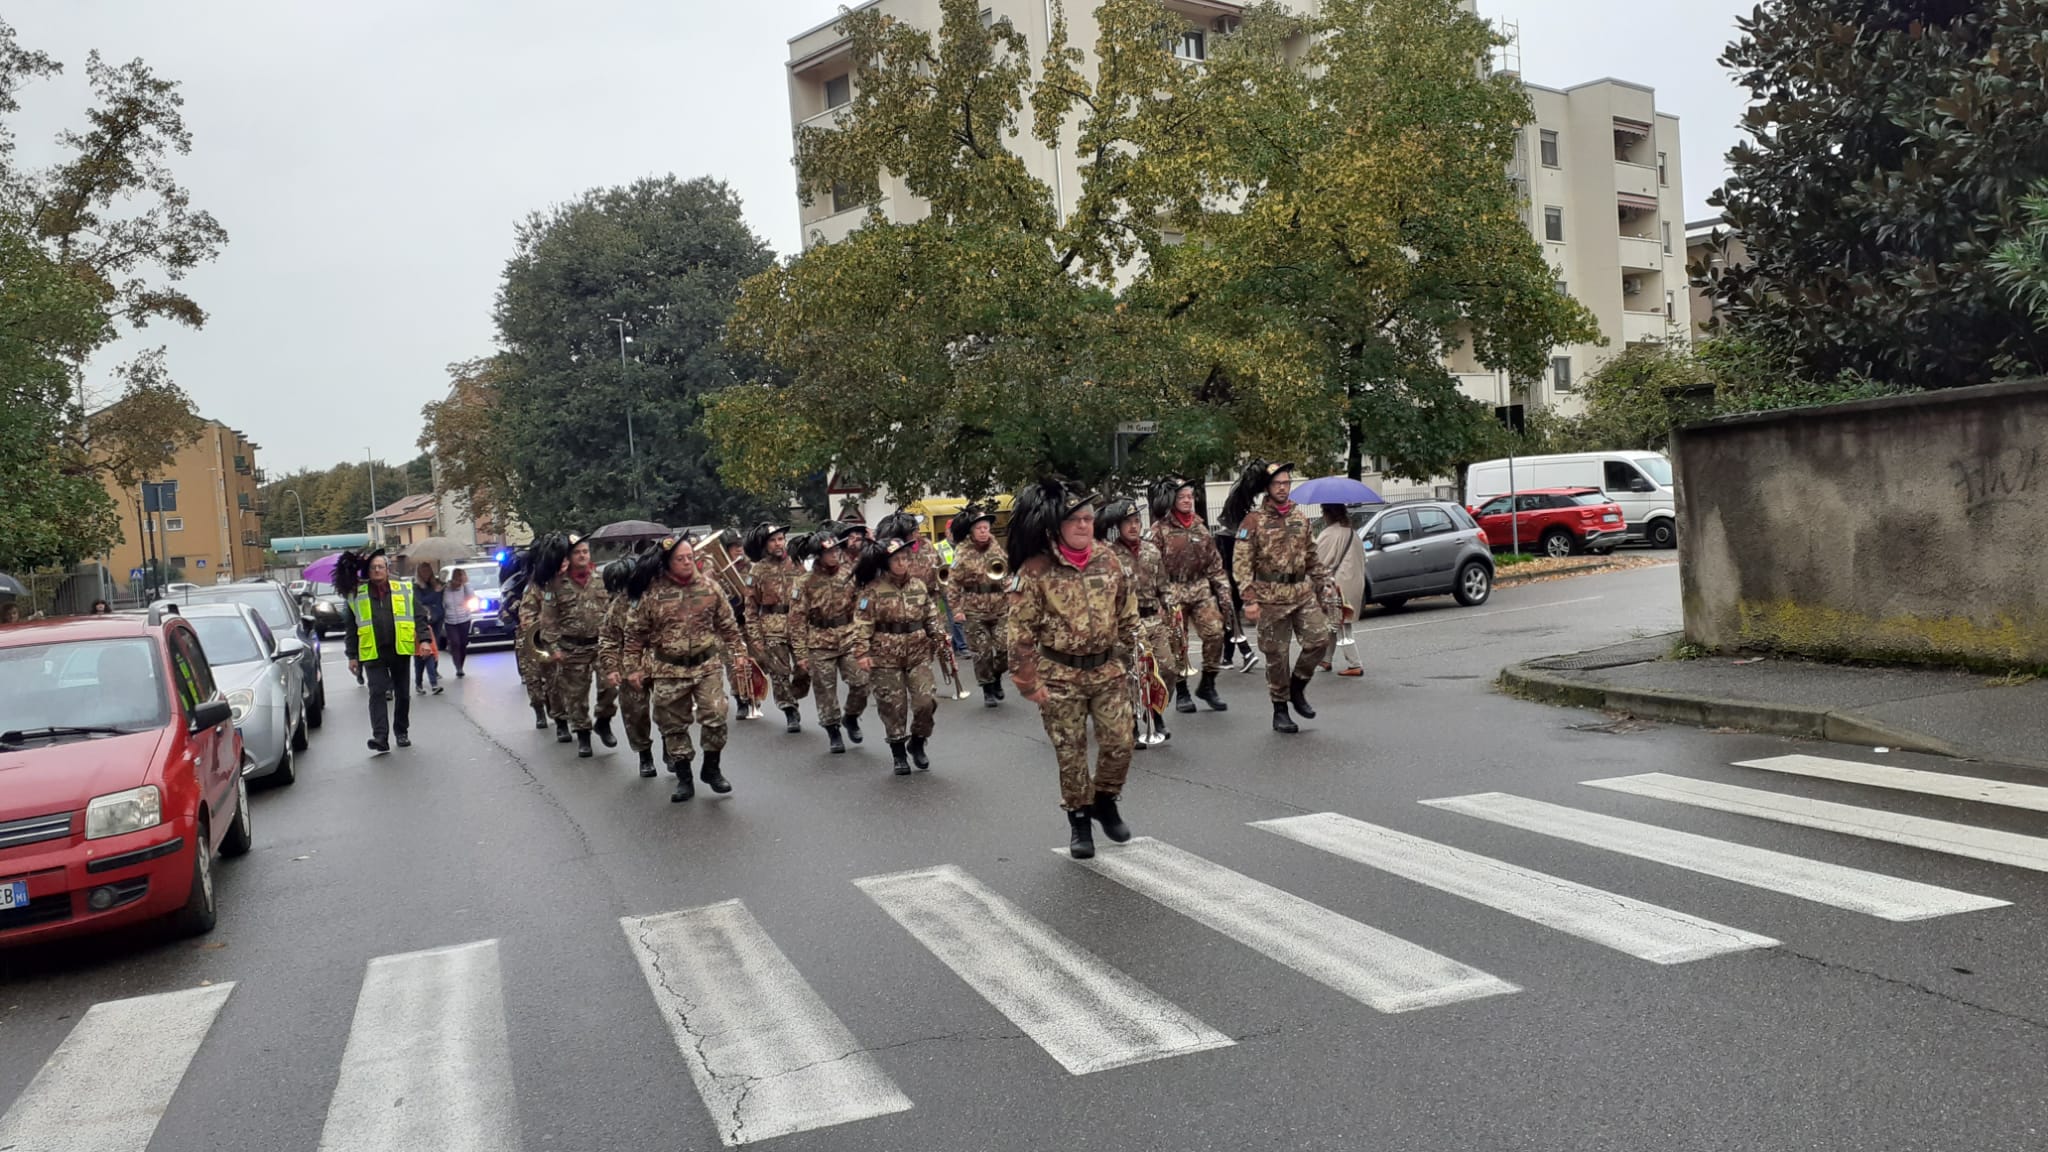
point(1643, 930)
point(1479, 615)
point(2029, 796)
point(107, 1085)
point(1886, 897)
point(1896, 828)
point(1085, 1013)
point(768, 1056)
point(1366, 964)
point(427, 1063)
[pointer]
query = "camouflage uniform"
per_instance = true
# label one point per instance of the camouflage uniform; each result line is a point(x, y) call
point(672, 636)
point(771, 589)
point(532, 672)
point(821, 631)
point(1147, 571)
point(563, 618)
point(612, 699)
point(982, 601)
point(741, 689)
point(897, 628)
point(1060, 617)
point(1199, 590)
point(1276, 568)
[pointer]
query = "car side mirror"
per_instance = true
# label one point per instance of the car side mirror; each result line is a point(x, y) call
point(211, 714)
point(1389, 539)
point(289, 648)
point(1641, 485)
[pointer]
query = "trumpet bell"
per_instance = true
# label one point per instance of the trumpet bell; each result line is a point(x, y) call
point(998, 566)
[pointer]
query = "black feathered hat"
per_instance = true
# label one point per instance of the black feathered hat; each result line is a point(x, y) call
point(1035, 523)
point(547, 556)
point(898, 526)
point(352, 569)
point(799, 547)
point(1111, 517)
point(1166, 491)
point(616, 574)
point(968, 517)
point(830, 534)
point(873, 563)
point(758, 537)
point(651, 564)
point(1251, 484)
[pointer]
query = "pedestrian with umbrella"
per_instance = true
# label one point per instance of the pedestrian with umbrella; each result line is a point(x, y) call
point(1338, 551)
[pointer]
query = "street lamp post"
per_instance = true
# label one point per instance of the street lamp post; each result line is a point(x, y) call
point(371, 524)
point(301, 505)
point(632, 449)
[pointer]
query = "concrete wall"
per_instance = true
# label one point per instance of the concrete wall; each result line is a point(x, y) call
point(1906, 529)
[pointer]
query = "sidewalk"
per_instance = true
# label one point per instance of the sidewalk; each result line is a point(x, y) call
point(1951, 713)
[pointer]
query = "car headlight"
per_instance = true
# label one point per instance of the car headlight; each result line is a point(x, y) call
point(240, 701)
point(120, 812)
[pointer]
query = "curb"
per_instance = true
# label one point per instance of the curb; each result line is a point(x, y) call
point(1841, 727)
point(1510, 578)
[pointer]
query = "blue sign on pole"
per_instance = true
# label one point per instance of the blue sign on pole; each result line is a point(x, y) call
point(202, 563)
point(135, 573)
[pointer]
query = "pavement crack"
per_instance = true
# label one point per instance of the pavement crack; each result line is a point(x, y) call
point(1914, 985)
point(1241, 793)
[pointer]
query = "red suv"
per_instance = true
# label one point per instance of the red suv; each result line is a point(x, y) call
point(120, 777)
point(1553, 521)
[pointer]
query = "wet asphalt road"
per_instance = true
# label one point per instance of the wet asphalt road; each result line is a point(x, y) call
point(1853, 1033)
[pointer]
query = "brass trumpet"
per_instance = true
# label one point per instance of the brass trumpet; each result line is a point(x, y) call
point(998, 565)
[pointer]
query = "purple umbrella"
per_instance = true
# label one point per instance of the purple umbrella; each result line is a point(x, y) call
point(1335, 490)
point(321, 571)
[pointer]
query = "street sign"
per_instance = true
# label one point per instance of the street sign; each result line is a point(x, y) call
point(1137, 427)
point(202, 563)
point(160, 497)
point(135, 573)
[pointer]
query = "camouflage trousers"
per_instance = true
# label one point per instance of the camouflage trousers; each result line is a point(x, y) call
point(1282, 624)
point(989, 640)
point(827, 668)
point(679, 701)
point(1102, 695)
point(779, 662)
point(532, 672)
point(906, 699)
point(613, 699)
point(570, 683)
point(1200, 615)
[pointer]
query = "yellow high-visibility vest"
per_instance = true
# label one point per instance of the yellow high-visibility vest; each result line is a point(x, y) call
point(403, 633)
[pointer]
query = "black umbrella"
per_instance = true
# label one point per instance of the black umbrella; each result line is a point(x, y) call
point(9, 586)
point(629, 532)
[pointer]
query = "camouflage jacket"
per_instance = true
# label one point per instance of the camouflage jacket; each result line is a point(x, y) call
point(1148, 575)
point(1074, 611)
point(969, 589)
point(924, 564)
point(771, 589)
point(674, 630)
point(611, 636)
point(821, 619)
point(897, 626)
point(1275, 561)
point(1194, 568)
point(564, 608)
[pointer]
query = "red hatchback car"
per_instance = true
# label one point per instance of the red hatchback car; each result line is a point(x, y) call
point(120, 777)
point(1554, 521)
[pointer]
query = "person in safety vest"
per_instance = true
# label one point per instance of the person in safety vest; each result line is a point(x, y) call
point(387, 626)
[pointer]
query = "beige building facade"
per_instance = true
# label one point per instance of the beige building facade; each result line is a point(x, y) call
point(215, 535)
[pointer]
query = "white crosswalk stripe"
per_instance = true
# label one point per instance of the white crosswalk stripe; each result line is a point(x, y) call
point(2029, 796)
point(768, 1056)
point(1887, 897)
point(1379, 969)
point(1990, 844)
point(1627, 925)
point(428, 1064)
point(1085, 1014)
point(109, 1082)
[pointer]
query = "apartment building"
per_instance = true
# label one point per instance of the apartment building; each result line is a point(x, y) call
point(1714, 243)
point(215, 533)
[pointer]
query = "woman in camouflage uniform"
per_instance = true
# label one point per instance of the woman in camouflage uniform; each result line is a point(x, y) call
point(563, 610)
point(896, 630)
point(821, 633)
point(1283, 584)
point(673, 632)
point(771, 589)
point(614, 693)
point(1118, 527)
point(979, 601)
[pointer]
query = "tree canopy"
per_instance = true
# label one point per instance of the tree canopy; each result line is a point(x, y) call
point(466, 435)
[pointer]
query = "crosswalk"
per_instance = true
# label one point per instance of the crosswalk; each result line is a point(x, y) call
point(428, 1059)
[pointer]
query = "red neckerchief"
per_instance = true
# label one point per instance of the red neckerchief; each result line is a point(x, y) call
point(380, 591)
point(1187, 521)
point(582, 581)
point(1077, 559)
point(678, 581)
point(1136, 546)
point(1281, 507)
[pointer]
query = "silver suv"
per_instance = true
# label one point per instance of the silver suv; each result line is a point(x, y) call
point(1423, 548)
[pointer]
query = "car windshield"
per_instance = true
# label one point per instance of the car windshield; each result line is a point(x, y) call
point(264, 598)
point(1589, 498)
point(1658, 468)
point(226, 639)
point(482, 577)
point(90, 684)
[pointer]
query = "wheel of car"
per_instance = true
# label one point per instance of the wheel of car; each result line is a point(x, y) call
point(242, 833)
point(1475, 584)
point(318, 705)
point(197, 917)
point(1558, 542)
point(1664, 533)
point(299, 736)
point(287, 766)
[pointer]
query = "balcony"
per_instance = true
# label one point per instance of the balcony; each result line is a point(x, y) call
point(1485, 387)
point(828, 119)
point(1644, 327)
point(839, 225)
point(1635, 179)
point(1642, 253)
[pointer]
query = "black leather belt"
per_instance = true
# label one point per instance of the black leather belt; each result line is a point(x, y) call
point(1077, 663)
point(830, 621)
point(774, 609)
point(981, 588)
point(896, 628)
point(1280, 577)
point(689, 661)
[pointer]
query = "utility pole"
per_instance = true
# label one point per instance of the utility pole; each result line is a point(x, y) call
point(294, 494)
point(371, 522)
point(632, 449)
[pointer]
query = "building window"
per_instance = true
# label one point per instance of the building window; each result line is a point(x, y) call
point(1667, 237)
point(842, 196)
point(175, 561)
point(1662, 177)
point(1192, 45)
point(838, 91)
point(1563, 289)
point(1548, 147)
point(174, 523)
point(1553, 224)
point(1561, 373)
point(242, 500)
point(1671, 306)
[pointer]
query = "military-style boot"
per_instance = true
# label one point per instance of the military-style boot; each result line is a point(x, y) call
point(1080, 836)
point(583, 744)
point(1207, 694)
point(832, 732)
point(900, 761)
point(604, 733)
point(989, 699)
point(999, 687)
point(540, 716)
point(853, 728)
point(1138, 735)
point(1282, 722)
point(795, 718)
point(917, 755)
point(1105, 813)
point(741, 706)
point(1296, 697)
point(562, 732)
point(1182, 702)
point(712, 777)
point(647, 763)
point(685, 786)
point(1159, 726)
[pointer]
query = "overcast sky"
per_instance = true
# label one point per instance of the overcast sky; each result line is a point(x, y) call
point(370, 158)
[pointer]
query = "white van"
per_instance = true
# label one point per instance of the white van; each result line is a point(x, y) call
point(1640, 482)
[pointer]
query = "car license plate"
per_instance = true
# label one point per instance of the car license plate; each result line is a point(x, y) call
point(1609, 517)
point(14, 894)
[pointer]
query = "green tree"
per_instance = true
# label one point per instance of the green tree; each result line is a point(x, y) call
point(1890, 143)
point(668, 257)
point(2021, 261)
point(465, 433)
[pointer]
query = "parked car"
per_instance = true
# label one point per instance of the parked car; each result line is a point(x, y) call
point(122, 772)
point(327, 608)
point(1553, 521)
point(1640, 482)
point(285, 618)
point(487, 624)
point(1424, 548)
point(260, 671)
